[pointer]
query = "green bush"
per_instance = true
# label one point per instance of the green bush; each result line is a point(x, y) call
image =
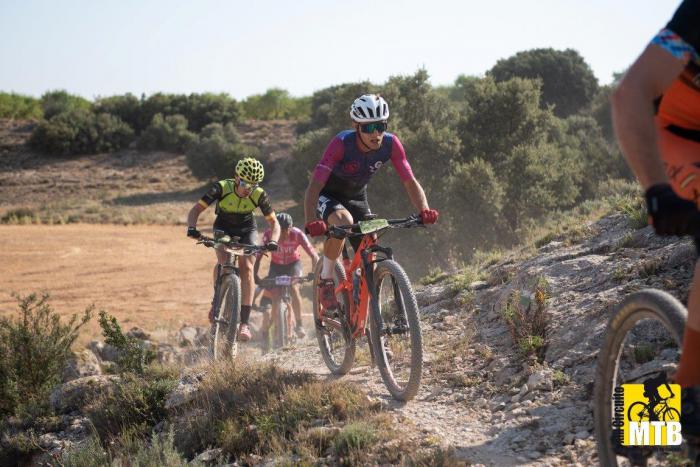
point(81, 132)
point(57, 102)
point(34, 349)
point(132, 355)
point(276, 103)
point(217, 151)
point(18, 106)
point(137, 404)
point(127, 107)
point(167, 133)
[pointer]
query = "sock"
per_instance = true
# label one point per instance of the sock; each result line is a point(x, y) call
point(245, 313)
point(328, 266)
point(688, 373)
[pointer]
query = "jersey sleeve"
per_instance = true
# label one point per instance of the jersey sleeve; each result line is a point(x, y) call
point(681, 36)
point(306, 244)
point(213, 194)
point(398, 158)
point(331, 156)
point(264, 204)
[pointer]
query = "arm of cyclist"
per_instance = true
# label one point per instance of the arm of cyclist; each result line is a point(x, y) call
point(309, 249)
point(413, 188)
point(271, 244)
point(313, 225)
point(331, 156)
point(417, 196)
point(214, 193)
point(633, 110)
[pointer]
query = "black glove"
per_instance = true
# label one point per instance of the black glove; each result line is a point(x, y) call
point(192, 232)
point(310, 276)
point(271, 246)
point(671, 214)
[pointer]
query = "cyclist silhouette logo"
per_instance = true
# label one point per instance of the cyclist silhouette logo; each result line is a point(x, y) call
point(651, 412)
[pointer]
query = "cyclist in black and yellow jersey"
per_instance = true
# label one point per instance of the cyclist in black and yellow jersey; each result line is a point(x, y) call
point(236, 200)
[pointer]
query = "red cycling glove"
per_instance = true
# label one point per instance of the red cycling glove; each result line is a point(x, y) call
point(316, 228)
point(429, 216)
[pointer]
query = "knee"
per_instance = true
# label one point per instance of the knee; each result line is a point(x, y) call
point(340, 218)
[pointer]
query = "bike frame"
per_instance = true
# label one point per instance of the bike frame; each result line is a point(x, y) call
point(364, 259)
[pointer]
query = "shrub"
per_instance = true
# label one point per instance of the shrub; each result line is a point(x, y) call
point(57, 102)
point(167, 133)
point(137, 404)
point(34, 349)
point(133, 356)
point(528, 319)
point(276, 103)
point(217, 151)
point(81, 132)
point(127, 107)
point(18, 106)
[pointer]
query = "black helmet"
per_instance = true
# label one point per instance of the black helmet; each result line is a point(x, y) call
point(285, 220)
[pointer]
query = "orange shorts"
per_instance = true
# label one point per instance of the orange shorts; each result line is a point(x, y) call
point(681, 157)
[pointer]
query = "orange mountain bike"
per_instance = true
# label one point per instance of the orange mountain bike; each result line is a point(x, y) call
point(372, 281)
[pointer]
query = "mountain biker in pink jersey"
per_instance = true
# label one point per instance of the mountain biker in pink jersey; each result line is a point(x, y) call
point(286, 261)
point(337, 191)
point(656, 115)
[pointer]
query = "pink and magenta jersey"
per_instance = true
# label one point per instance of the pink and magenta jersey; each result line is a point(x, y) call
point(288, 250)
point(345, 170)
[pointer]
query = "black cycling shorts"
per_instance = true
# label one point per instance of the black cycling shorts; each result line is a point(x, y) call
point(245, 235)
point(291, 269)
point(358, 209)
point(327, 204)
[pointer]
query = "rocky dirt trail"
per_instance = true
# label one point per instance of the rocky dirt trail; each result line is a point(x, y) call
point(478, 394)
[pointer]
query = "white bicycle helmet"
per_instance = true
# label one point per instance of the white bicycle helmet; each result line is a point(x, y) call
point(369, 108)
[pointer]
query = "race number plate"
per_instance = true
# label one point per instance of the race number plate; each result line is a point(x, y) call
point(283, 280)
point(373, 225)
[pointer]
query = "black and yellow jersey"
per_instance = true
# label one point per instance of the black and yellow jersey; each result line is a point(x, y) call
point(232, 211)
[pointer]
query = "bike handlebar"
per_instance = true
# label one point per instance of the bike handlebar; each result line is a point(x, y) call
point(242, 248)
point(353, 230)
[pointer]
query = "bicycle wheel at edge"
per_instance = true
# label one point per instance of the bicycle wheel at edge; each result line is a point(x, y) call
point(402, 383)
point(337, 348)
point(225, 327)
point(646, 304)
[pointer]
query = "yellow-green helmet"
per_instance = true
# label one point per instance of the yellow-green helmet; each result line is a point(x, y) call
point(251, 170)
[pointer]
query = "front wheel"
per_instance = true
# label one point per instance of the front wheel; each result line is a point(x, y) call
point(395, 331)
point(280, 334)
point(642, 340)
point(333, 331)
point(224, 330)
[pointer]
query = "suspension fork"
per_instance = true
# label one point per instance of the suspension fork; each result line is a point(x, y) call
point(368, 265)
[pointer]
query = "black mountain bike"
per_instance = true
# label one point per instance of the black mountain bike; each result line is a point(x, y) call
point(642, 340)
point(281, 329)
point(227, 294)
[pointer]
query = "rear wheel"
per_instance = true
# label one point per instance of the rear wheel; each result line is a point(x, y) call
point(333, 331)
point(224, 329)
point(396, 334)
point(642, 339)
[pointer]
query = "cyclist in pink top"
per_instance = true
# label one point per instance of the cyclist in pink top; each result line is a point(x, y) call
point(286, 261)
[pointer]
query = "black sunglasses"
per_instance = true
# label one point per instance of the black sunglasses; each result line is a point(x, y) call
point(374, 126)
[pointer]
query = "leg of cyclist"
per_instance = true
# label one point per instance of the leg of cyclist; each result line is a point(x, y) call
point(296, 307)
point(245, 265)
point(331, 251)
point(221, 258)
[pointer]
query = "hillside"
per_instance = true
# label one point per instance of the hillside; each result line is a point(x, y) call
point(125, 187)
